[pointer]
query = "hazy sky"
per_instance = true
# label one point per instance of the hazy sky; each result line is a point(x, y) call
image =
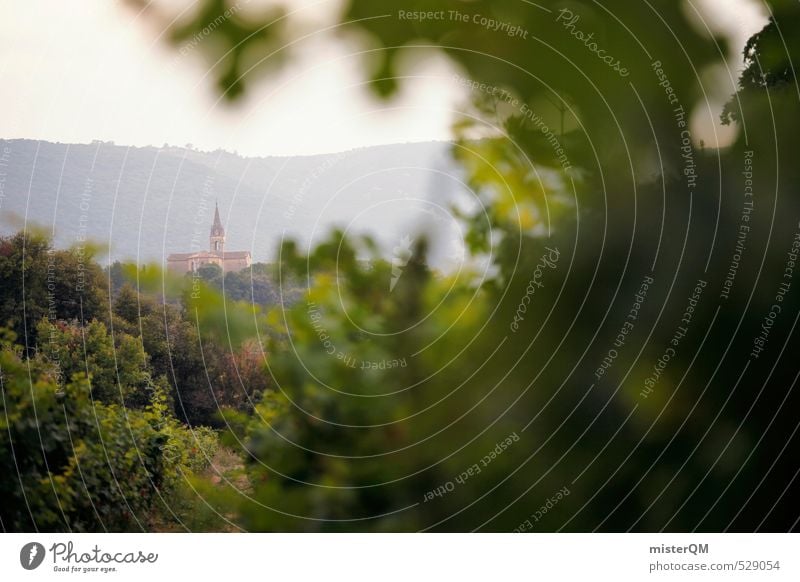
point(78, 70)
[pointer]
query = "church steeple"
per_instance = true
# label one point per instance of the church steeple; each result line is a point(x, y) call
point(217, 237)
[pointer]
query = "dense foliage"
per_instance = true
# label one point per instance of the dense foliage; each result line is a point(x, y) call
point(73, 463)
point(91, 438)
point(607, 345)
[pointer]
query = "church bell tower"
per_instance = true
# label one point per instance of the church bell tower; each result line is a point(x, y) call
point(217, 237)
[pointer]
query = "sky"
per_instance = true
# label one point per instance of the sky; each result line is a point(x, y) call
point(90, 69)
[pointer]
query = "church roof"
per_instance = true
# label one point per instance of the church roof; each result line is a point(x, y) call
point(208, 255)
point(185, 256)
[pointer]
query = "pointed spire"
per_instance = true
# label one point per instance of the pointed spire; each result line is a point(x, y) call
point(216, 228)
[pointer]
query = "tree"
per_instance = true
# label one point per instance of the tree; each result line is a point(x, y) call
point(769, 70)
point(116, 276)
point(40, 281)
point(117, 366)
point(205, 374)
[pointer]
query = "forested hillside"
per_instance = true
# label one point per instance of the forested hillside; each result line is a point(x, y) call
point(144, 203)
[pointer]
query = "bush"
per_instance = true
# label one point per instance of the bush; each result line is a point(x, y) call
point(75, 464)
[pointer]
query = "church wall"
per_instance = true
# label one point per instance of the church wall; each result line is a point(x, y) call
point(185, 265)
point(179, 266)
point(236, 264)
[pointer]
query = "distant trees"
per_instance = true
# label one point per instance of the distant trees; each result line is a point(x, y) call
point(116, 366)
point(116, 277)
point(40, 281)
point(204, 374)
point(98, 390)
point(257, 284)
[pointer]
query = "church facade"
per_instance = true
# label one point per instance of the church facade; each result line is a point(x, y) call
point(216, 254)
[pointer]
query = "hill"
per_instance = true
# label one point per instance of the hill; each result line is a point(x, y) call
point(148, 202)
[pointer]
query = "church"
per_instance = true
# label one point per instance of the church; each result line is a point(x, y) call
point(216, 254)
